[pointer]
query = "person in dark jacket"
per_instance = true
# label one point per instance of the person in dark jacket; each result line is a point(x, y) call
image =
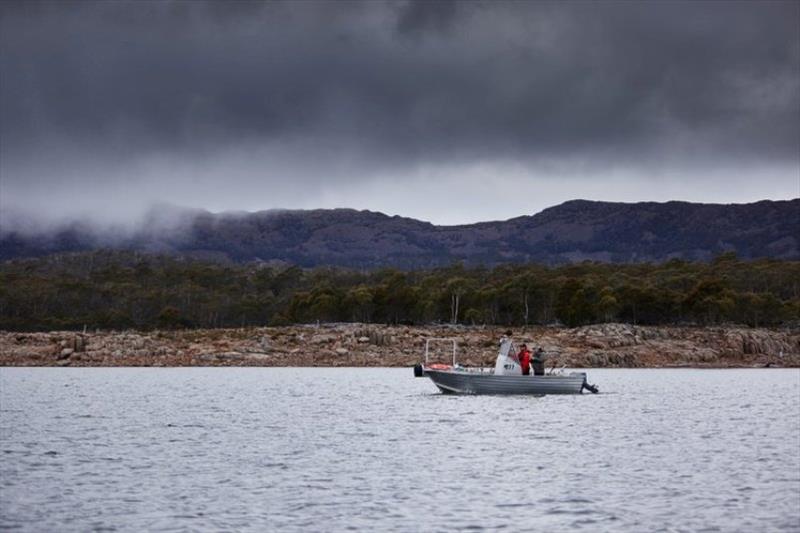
point(524, 357)
point(538, 363)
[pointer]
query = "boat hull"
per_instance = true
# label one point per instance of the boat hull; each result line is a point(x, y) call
point(455, 382)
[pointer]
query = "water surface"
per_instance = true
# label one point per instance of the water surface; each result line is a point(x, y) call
point(333, 449)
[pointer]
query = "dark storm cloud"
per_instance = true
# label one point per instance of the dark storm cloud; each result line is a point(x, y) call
point(397, 83)
point(417, 76)
point(422, 16)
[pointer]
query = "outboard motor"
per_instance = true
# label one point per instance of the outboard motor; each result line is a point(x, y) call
point(591, 388)
point(419, 372)
point(594, 389)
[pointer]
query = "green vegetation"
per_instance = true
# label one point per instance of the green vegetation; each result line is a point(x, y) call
point(117, 290)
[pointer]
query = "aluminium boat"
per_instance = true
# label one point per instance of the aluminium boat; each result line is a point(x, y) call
point(457, 381)
point(505, 378)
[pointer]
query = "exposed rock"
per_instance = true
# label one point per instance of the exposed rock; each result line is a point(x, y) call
point(322, 339)
point(258, 356)
point(604, 345)
point(80, 343)
point(264, 343)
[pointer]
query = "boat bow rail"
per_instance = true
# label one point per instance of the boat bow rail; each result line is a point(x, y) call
point(420, 368)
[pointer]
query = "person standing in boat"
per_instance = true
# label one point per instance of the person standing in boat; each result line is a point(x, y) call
point(538, 362)
point(524, 357)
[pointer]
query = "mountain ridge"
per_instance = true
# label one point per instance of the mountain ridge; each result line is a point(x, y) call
point(573, 231)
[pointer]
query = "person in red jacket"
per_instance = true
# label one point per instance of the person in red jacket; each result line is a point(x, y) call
point(524, 357)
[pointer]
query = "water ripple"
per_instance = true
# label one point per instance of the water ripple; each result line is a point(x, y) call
point(361, 449)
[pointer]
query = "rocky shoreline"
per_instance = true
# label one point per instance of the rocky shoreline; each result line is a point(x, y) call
point(364, 345)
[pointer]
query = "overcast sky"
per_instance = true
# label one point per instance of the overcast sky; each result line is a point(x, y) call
point(450, 112)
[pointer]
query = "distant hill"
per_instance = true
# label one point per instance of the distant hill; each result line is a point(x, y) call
point(571, 232)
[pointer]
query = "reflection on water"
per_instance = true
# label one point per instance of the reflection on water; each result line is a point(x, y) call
point(331, 449)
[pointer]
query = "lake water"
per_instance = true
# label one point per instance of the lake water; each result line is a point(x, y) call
point(293, 449)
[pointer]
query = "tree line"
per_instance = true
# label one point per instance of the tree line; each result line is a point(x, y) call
point(121, 290)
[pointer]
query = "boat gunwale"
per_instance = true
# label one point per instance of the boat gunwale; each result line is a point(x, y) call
point(486, 383)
